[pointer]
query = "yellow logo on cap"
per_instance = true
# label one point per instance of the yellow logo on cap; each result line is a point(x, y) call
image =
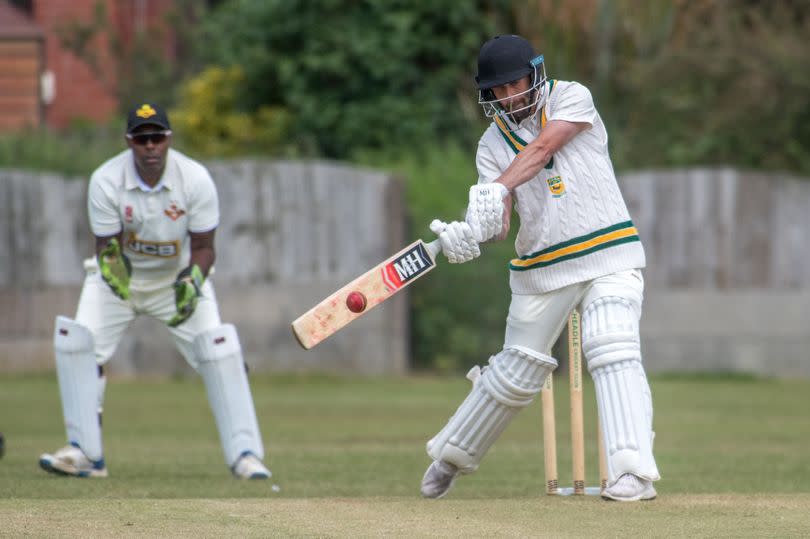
point(556, 186)
point(146, 111)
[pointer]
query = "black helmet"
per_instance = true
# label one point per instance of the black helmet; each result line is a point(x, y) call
point(504, 59)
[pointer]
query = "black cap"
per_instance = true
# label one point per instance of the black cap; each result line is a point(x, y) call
point(504, 59)
point(147, 114)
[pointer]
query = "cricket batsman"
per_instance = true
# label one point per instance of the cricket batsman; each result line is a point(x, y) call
point(154, 212)
point(546, 152)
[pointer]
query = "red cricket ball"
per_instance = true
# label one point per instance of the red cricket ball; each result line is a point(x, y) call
point(356, 302)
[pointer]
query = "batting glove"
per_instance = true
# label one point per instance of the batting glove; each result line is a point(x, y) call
point(485, 211)
point(457, 240)
point(115, 268)
point(186, 294)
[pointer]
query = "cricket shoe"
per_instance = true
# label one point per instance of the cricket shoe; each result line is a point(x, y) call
point(630, 488)
point(250, 467)
point(438, 479)
point(71, 460)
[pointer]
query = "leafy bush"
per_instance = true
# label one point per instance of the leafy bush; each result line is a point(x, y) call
point(78, 152)
point(211, 121)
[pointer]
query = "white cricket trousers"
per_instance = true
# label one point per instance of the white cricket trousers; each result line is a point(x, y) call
point(107, 316)
point(536, 321)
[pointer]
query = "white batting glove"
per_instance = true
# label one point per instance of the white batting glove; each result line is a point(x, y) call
point(457, 240)
point(485, 212)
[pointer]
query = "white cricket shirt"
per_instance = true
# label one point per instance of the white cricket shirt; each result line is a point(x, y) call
point(574, 224)
point(155, 222)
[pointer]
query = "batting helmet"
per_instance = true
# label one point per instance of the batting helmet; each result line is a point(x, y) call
point(504, 59)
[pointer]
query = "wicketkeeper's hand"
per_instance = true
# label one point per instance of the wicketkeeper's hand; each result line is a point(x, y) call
point(186, 293)
point(457, 240)
point(115, 268)
point(486, 209)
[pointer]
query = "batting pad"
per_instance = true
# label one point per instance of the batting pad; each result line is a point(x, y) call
point(77, 372)
point(510, 382)
point(611, 346)
point(223, 371)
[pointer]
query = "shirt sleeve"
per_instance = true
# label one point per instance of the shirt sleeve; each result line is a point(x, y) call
point(102, 209)
point(573, 103)
point(204, 210)
point(488, 170)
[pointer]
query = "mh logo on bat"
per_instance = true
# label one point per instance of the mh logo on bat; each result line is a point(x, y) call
point(406, 267)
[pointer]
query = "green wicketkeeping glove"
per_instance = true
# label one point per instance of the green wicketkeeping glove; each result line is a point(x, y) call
point(186, 293)
point(115, 268)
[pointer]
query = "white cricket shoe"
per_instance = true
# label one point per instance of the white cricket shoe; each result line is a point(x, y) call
point(630, 488)
point(250, 467)
point(70, 460)
point(438, 479)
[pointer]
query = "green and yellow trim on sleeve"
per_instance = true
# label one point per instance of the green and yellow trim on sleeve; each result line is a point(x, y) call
point(577, 247)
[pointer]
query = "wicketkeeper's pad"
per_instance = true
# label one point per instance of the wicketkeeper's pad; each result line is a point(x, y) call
point(77, 372)
point(220, 364)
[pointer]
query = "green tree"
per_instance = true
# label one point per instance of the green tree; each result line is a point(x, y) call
point(686, 83)
point(730, 86)
point(355, 75)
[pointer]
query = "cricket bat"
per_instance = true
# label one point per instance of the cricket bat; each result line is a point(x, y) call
point(365, 292)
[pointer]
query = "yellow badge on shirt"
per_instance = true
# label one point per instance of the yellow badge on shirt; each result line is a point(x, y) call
point(556, 186)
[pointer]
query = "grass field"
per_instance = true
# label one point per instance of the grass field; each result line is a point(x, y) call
point(348, 455)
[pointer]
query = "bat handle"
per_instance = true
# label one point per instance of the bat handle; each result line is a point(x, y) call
point(434, 248)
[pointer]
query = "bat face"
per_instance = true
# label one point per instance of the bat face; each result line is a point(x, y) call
point(365, 292)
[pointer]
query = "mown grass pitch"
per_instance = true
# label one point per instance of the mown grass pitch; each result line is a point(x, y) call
point(348, 455)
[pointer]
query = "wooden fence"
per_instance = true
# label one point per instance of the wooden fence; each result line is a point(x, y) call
point(728, 276)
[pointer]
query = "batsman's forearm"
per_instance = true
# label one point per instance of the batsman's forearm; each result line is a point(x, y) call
point(536, 155)
point(525, 166)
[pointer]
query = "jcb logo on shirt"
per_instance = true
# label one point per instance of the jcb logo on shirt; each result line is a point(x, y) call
point(556, 186)
point(163, 249)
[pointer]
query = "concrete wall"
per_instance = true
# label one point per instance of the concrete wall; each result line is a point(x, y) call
point(762, 332)
point(728, 276)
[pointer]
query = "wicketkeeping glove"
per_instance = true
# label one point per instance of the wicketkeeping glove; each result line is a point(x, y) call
point(115, 268)
point(186, 293)
point(485, 211)
point(456, 238)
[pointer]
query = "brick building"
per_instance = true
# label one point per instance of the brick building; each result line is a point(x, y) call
point(21, 63)
point(42, 82)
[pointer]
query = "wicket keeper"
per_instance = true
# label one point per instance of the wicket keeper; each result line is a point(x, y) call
point(154, 212)
point(546, 152)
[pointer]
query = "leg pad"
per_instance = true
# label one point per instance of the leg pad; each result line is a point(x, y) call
point(222, 368)
point(79, 386)
point(510, 382)
point(611, 346)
